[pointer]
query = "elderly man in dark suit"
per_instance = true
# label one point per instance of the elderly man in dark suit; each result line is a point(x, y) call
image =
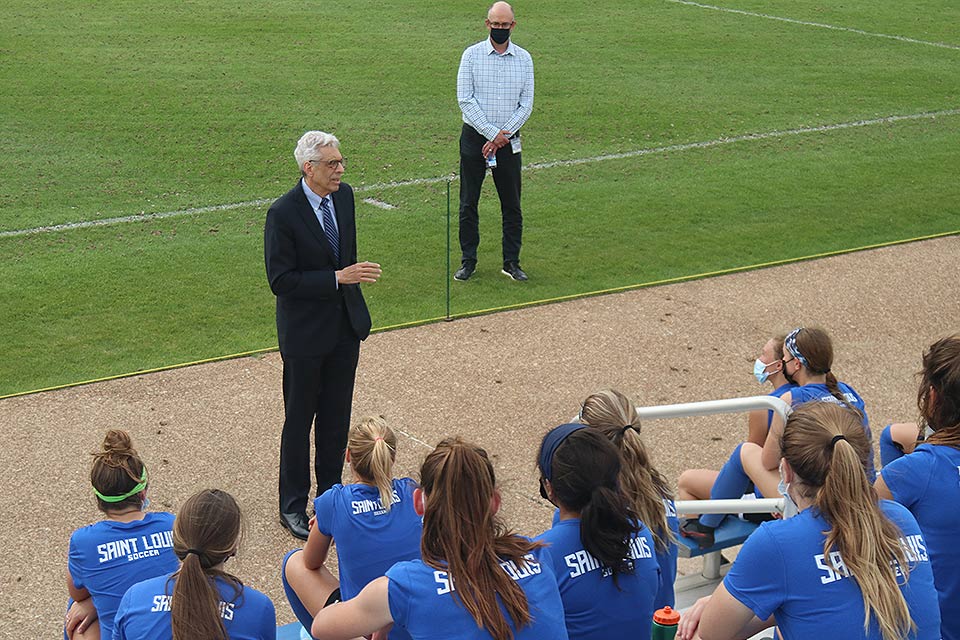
point(310, 250)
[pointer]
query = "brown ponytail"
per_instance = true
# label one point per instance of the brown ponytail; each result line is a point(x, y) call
point(941, 375)
point(206, 533)
point(373, 450)
point(815, 345)
point(827, 448)
point(463, 536)
point(117, 470)
point(615, 415)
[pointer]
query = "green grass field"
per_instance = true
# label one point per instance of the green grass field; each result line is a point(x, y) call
point(116, 109)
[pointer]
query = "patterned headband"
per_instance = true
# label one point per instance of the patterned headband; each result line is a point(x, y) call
point(791, 344)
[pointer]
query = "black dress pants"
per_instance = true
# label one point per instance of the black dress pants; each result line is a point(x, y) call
point(318, 391)
point(506, 177)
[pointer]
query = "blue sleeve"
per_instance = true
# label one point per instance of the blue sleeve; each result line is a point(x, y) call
point(268, 619)
point(908, 477)
point(398, 593)
point(73, 562)
point(325, 508)
point(120, 619)
point(757, 578)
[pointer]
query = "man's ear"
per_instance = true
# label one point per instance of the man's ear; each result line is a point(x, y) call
point(418, 503)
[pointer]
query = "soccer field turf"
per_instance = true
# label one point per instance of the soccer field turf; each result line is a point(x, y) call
point(111, 110)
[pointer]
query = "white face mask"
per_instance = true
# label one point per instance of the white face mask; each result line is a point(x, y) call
point(789, 506)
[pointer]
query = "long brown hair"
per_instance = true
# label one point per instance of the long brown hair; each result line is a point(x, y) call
point(827, 448)
point(373, 450)
point(206, 532)
point(615, 415)
point(941, 374)
point(463, 536)
point(117, 470)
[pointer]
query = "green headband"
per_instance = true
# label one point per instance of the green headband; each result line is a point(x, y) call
point(137, 489)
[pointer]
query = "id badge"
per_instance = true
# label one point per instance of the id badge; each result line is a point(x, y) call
point(515, 144)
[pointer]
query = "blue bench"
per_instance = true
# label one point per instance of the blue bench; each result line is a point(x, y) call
point(732, 532)
point(289, 631)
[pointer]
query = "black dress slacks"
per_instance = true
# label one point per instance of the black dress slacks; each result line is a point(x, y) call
point(318, 392)
point(506, 177)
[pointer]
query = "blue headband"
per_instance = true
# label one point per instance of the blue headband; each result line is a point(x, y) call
point(790, 342)
point(551, 442)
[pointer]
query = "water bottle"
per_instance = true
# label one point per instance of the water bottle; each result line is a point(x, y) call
point(665, 623)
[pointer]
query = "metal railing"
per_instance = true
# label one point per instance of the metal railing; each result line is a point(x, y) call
point(711, 561)
point(736, 505)
point(711, 407)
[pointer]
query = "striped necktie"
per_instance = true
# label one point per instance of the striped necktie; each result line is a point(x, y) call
point(330, 229)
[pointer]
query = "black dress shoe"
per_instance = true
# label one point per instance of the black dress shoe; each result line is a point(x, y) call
point(465, 271)
point(296, 523)
point(513, 270)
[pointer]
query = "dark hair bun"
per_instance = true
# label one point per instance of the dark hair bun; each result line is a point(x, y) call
point(116, 448)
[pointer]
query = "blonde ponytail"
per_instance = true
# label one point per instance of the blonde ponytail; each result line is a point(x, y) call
point(615, 415)
point(373, 450)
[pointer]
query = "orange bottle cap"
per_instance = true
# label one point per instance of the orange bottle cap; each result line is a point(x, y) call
point(666, 616)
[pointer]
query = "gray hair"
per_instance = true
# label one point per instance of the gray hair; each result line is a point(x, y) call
point(310, 142)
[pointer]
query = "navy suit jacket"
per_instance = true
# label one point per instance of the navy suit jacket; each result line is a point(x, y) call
point(300, 268)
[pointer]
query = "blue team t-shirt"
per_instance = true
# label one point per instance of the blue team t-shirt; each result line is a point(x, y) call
point(369, 539)
point(594, 607)
point(781, 571)
point(778, 393)
point(818, 392)
point(107, 557)
point(145, 612)
point(422, 602)
point(667, 560)
point(927, 482)
point(666, 556)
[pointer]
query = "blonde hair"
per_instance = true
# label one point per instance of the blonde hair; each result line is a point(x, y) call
point(827, 448)
point(615, 415)
point(373, 450)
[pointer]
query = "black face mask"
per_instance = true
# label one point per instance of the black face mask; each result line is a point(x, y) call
point(500, 35)
point(783, 368)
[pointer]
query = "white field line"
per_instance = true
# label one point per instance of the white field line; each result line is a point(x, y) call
point(379, 203)
point(942, 45)
point(382, 186)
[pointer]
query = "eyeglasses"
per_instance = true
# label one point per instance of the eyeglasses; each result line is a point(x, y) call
point(500, 25)
point(330, 164)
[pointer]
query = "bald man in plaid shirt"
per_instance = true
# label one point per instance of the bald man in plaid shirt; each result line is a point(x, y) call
point(495, 92)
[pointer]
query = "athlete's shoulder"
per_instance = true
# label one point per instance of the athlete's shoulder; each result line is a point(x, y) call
point(900, 516)
point(782, 389)
point(159, 518)
point(257, 599)
point(157, 585)
point(94, 531)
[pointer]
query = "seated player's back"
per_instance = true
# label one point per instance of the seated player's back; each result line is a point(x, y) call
point(145, 611)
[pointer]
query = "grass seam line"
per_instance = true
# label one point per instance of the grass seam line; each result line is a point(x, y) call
point(942, 45)
point(381, 186)
point(513, 307)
